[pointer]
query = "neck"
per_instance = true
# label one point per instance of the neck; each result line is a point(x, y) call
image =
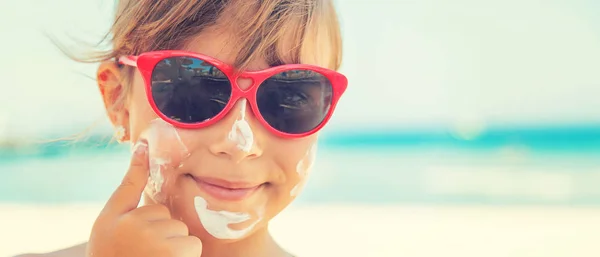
point(260, 243)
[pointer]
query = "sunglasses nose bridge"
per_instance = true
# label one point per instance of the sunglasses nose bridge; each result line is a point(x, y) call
point(244, 83)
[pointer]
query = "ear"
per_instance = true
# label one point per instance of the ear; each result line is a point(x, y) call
point(114, 95)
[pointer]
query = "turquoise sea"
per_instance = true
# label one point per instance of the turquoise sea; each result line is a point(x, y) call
point(545, 165)
point(410, 63)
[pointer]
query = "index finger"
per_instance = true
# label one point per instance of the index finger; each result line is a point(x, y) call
point(127, 196)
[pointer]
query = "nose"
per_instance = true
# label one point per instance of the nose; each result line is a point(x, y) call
point(239, 142)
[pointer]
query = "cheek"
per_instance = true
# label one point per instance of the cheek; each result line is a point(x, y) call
point(303, 169)
point(297, 164)
point(166, 153)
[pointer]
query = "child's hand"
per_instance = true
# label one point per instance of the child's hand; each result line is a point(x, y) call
point(123, 230)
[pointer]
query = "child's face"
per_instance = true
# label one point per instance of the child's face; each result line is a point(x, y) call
point(273, 168)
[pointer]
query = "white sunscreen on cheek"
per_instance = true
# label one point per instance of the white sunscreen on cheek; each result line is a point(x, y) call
point(240, 132)
point(217, 223)
point(156, 177)
point(166, 151)
point(303, 168)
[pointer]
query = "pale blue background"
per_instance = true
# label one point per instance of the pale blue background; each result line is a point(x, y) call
point(462, 101)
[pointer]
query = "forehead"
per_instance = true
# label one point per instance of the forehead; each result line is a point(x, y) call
point(216, 42)
point(241, 35)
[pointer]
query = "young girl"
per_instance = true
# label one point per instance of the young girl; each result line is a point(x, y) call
point(222, 101)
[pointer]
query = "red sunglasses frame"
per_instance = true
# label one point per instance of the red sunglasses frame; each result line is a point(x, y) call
point(146, 62)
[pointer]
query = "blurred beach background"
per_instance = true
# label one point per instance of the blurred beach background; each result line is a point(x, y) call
point(470, 128)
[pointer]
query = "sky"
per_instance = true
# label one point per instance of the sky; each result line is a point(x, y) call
point(410, 64)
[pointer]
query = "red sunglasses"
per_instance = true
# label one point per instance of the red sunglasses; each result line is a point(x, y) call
point(190, 90)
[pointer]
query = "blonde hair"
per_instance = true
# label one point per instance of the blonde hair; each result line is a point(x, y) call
point(280, 31)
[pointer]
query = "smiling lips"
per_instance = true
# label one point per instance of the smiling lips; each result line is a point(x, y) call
point(226, 190)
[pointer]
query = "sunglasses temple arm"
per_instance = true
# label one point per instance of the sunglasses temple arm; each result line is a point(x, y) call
point(128, 60)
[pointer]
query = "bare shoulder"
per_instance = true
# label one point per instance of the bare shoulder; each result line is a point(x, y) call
point(74, 251)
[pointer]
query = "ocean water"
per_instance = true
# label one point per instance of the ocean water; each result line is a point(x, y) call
point(409, 63)
point(558, 166)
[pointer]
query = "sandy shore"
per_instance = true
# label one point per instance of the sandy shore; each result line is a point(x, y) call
point(355, 230)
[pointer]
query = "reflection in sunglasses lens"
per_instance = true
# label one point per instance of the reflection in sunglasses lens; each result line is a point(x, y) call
point(295, 101)
point(189, 90)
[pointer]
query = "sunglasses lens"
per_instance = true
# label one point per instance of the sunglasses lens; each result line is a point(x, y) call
point(295, 101)
point(189, 90)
